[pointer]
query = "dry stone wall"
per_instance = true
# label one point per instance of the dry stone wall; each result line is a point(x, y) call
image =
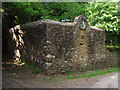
point(59, 47)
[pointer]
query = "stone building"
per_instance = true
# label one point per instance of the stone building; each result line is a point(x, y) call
point(59, 47)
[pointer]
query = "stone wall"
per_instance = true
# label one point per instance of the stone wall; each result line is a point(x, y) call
point(59, 47)
point(96, 47)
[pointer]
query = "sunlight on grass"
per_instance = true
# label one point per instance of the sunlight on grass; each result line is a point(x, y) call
point(14, 62)
point(112, 46)
point(18, 63)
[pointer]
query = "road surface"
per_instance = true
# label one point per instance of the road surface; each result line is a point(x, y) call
point(22, 78)
point(108, 82)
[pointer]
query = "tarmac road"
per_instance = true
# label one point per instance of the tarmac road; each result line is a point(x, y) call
point(108, 82)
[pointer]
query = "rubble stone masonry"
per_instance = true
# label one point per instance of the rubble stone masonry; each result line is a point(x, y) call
point(59, 47)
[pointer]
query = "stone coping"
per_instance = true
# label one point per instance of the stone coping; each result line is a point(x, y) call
point(95, 28)
point(49, 21)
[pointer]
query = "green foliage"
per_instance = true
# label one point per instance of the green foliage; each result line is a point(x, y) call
point(103, 15)
point(34, 68)
point(99, 14)
point(62, 10)
point(24, 12)
point(113, 46)
point(114, 49)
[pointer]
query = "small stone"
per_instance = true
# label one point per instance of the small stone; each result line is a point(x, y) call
point(85, 64)
point(72, 48)
point(66, 61)
point(48, 64)
point(50, 56)
point(45, 46)
point(48, 41)
point(63, 72)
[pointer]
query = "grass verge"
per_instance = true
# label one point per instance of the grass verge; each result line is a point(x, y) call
point(112, 46)
point(89, 74)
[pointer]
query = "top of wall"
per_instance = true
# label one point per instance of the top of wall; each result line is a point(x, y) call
point(95, 28)
point(69, 24)
point(48, 21)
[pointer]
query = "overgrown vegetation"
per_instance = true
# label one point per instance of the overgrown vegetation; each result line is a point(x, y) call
point(99, 14)
point(114, 48)
point(105, 15)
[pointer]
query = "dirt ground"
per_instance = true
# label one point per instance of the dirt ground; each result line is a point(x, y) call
point(16, 77)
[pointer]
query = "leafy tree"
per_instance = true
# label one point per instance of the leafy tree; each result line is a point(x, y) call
point(23, 12)
point(103, 15)
point(62, 10)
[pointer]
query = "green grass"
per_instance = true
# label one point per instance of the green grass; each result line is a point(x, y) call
point(112, 46)
point(89, 74)
point(34, 68)
point(115, 48)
